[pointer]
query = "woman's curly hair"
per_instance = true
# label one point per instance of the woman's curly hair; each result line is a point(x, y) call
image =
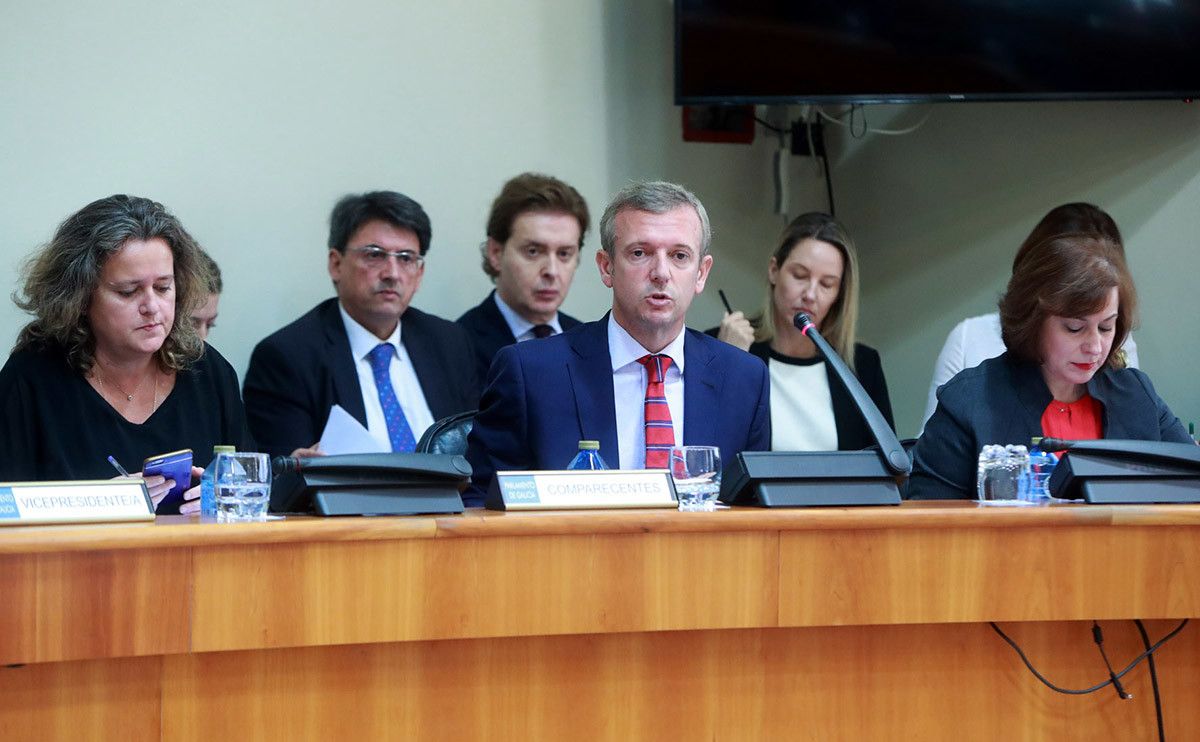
point(58, 281)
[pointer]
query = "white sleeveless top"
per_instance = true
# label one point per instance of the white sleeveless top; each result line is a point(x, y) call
point(801, 406)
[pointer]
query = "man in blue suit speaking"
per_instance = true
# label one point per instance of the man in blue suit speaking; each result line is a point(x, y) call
point(597, 381)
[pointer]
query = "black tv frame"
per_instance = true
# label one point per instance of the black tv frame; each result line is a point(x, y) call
point(883, 97)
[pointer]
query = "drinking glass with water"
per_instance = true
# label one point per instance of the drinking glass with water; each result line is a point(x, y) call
point(696, 471)
point(242, 484)
point(1002, 475)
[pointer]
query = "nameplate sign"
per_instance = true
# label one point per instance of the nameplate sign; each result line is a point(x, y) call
point(566, 490)
point(38, 503)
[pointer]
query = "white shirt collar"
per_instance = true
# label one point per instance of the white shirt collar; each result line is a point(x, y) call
point(517, 324)
point(362, 340)
point(624, 350)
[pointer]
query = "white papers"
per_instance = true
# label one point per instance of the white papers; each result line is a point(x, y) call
point(344, 434)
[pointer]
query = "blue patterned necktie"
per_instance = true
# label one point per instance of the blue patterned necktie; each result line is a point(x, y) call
point(397, 425)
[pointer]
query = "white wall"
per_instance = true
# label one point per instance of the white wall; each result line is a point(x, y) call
point(250, 120)
point(734, 181)
point(941, 212)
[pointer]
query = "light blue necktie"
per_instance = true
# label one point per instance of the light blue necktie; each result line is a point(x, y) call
point(399, 432)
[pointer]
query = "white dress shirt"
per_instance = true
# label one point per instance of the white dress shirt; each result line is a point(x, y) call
point(521, 328)
point(403, 376)
point(629, 393)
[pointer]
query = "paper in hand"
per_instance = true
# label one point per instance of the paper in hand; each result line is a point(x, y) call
point(344, 434)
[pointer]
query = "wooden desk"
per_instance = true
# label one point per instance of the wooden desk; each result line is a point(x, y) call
point(741, 624)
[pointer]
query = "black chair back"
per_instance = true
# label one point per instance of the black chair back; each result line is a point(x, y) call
point(448, 435)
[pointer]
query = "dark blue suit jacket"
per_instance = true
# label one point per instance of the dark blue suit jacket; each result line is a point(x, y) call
point(543, 397)
point(489, 332)
point(1002, 400)
point(298, 373)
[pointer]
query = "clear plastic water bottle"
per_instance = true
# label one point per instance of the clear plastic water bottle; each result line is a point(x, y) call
point(588, 457)
point(1041, 466)
point(208, 492)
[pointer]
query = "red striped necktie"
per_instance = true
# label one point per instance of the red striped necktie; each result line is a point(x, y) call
point(660, 435)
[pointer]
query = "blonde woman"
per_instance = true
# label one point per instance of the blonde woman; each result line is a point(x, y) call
point(814, 270)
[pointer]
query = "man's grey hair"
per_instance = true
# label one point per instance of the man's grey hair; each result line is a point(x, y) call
point(655, 197)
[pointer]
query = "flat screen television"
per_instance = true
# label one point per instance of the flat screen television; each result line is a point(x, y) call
point(884, 51)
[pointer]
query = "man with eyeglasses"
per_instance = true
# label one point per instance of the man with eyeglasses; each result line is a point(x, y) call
point(393, 367)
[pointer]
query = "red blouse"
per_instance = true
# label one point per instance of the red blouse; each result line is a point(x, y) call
point(1074, 421)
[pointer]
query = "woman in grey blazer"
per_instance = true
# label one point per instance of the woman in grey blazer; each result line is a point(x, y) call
point(1067, 310)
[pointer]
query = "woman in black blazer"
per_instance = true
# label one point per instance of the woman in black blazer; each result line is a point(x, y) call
point(1067, 310)
point(813, 270)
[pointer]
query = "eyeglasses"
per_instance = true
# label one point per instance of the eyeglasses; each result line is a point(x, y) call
point(374, 255)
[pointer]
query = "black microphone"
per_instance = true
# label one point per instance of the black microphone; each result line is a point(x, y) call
point(890, 450)
point(340, 462)
point(287, 464)
point(1187, 454)
point(284, 464)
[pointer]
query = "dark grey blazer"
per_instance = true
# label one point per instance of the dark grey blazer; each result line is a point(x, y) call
point(1002, 400)
point(298, 373)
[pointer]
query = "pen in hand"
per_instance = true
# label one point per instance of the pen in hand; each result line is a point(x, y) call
point(725, 301)
point(735, 329)
point(117, 465)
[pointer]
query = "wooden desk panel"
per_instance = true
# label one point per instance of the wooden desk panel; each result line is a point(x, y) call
point(100, 700)
point(926, 682)
point(305, 594)
point(99, 604)
point(607, 625)
point(838, 578)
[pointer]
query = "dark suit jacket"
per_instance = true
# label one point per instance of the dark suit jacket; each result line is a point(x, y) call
point(543, 398)
point(1002, 400)
point(489, 332)
point(297, 374)
point(852, 432)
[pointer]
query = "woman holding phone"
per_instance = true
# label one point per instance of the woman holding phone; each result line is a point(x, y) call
point(104, 369)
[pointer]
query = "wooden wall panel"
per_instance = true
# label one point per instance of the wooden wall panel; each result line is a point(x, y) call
point(81, 605)
point(315, 594)
point(508, 626)
point(925, 682)
point(972, 574)
point(18, 608)
point(962, 682)
point(102, 700)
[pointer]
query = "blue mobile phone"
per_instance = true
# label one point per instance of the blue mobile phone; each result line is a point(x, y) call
point(176, 465)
